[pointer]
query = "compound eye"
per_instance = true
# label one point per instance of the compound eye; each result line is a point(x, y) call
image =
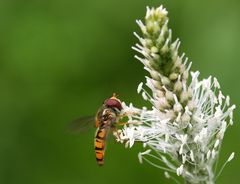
point(113, 103)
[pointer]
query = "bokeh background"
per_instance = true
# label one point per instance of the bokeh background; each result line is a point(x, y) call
point(59, 59)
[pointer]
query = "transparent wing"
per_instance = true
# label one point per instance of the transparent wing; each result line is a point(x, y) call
point(81, 124)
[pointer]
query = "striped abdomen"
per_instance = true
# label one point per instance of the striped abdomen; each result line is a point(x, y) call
point(100, 143)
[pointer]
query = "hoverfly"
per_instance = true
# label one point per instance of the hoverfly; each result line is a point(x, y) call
point(106, 119)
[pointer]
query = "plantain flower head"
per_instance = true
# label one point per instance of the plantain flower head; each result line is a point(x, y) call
point(183, 131)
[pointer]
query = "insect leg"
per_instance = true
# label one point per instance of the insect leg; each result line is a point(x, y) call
point(128, 114)
point(115, 132)
point(129, 123)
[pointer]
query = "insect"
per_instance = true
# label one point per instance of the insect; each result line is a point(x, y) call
point(106, 119)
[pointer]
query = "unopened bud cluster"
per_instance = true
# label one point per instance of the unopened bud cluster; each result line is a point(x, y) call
point(168, 70)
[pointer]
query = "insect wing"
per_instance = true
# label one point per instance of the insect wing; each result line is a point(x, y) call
point(82, 124)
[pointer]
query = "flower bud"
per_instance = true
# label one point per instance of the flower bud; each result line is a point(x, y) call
point(169, 96)
point(177, 107)
point(173, 76)
point(178, 86)
point(184, 96)
point(154, 49)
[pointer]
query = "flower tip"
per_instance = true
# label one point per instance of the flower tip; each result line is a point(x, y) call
point(216, 83)
point(231, 122)
point(139, 89)
point(192, 156)
point(140, 155)
point(166, 174)
point(216, 143)
point(208, 154)
point(179, 170)
point(140, 158)
point(144, 96)
point(231, 157)
point(233, 107)
point(131, 143)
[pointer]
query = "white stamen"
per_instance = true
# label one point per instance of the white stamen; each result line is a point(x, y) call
point(139, 89)
point(231, 157)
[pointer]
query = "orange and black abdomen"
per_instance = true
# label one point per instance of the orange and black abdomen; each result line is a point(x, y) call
point(100, 144)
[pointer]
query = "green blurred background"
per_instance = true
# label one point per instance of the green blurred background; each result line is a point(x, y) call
point(59, 59)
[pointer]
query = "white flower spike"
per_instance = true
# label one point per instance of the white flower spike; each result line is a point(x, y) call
point(183, 131)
